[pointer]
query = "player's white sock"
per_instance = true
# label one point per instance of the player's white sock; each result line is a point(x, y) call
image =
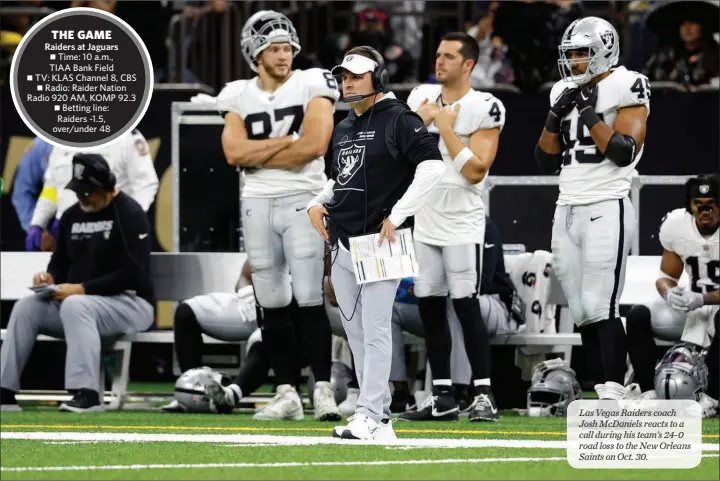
point(481, 382)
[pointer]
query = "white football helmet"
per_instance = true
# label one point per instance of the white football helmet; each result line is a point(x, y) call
point(681, 373)
point(601, 42)
point(262, 29)
point(191, 392)
point(553, 387)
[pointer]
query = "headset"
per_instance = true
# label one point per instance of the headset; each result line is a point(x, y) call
point(380, 76)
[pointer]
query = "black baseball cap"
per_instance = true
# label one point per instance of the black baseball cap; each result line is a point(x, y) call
point(90, 172)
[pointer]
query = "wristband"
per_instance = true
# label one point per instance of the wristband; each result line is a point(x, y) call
point(461, 158)
point(295, 136)
point(590, 117)
point(552, 123)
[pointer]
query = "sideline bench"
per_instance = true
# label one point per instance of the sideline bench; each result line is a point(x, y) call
point(179, 276)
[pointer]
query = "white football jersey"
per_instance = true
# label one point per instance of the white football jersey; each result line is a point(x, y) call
point(277, 114)
point(455, 212)
point(128, 158)
point(587, 176)
point(700, 254)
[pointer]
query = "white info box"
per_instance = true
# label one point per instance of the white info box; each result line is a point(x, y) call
point(634, 434)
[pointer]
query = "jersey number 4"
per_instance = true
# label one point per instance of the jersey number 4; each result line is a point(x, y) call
point(577, 146)
point(712, 273)
point(296, 112)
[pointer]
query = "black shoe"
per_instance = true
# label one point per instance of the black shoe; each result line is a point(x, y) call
point(401, 402)
point(437, 407)
point(84, 401)
point(8, 401)
point(483, 408)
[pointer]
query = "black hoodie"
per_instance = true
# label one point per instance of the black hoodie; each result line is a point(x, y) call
point(374, 157)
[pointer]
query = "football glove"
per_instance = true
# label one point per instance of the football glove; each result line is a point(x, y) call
point(684, 300)
point(565, 103)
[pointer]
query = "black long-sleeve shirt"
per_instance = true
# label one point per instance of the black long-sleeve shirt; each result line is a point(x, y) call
point(108, 252)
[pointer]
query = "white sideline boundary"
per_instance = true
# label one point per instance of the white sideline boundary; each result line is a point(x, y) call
point(281, 440)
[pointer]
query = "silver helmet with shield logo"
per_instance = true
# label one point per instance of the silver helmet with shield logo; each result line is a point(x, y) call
point(553, 387)
point(264, 28)
point(598, 39)
point(681, 373)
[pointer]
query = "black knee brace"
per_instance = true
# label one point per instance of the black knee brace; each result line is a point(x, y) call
point(188, 338)
point(641, 346)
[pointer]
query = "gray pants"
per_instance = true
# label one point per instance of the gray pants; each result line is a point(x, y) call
point(280, 241)
point(406, 317)
point(82, 321)
point(369, 333)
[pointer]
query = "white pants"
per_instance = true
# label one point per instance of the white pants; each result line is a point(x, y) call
point(280, 241)
point(590, 245)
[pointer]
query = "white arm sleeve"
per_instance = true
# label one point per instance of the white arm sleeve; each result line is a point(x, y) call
point(46, 206)
point(427, 175)
point(142, 178)
point(325, 195)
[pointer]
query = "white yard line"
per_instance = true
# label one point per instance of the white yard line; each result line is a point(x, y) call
point(252, 439)
point(281, 465)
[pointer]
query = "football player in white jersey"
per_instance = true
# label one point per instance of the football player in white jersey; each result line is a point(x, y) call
point(129, 159)
point(277, 128)
point(691, 241)
point(594, 136)
point(450, 228)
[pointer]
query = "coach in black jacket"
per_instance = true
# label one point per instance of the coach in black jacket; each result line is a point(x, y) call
point(384, 163)
point(101, 265)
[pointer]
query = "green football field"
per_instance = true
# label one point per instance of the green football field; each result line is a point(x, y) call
point(42, 443)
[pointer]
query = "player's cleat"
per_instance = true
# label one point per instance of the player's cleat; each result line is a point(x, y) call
point(285, 405)
point(172, 407)
point(224, 395)
point(324, 402)
point(348, 406)
point(435, 408)
point(359, 426)
point(483, 409)
point(385, 431)
point(708, 405)
point(84, 401)
point(400, 404)
point(8, 401)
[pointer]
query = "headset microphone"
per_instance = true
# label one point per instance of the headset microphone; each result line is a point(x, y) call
point(356, 98)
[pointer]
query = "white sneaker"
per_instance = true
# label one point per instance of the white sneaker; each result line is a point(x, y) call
point(324, 402)
point(708, 405)
point(600, 390)
point(359, 427)
point(348, 406)
point(285, 405)
point(385, 431)
point(649, 395)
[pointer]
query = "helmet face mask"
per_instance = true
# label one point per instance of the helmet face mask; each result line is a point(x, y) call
point(596, 37)
point(554, 387)
point(191, 389)
point(263, 29)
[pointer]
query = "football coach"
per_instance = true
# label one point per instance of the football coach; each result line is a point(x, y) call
point(384, 162)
